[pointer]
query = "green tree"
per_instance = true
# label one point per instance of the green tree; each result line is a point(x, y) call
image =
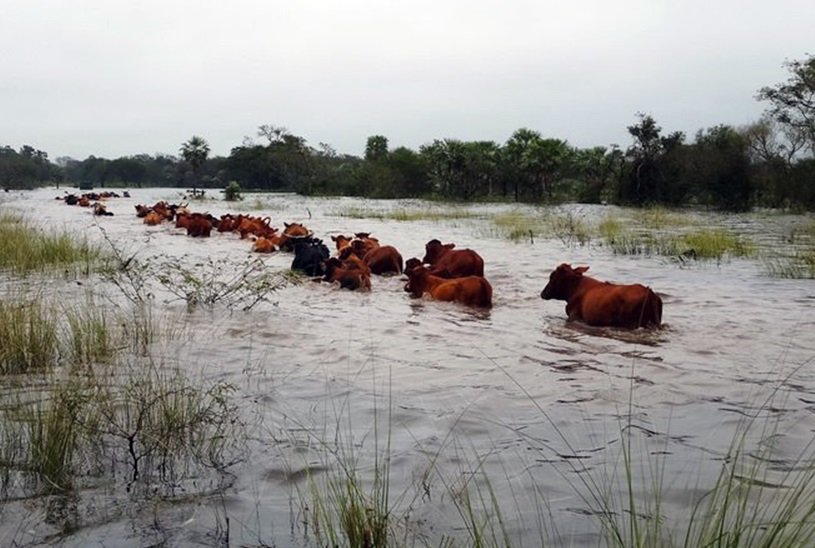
point(599, 170)
point(720, 168)
point(792, 103)
point(534, 163)
point(195, 153)
point(653, 172)
point(376, 148)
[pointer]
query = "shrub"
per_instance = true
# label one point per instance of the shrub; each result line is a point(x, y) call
point(232, 193)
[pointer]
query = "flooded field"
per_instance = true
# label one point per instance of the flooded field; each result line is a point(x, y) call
point(490, 425)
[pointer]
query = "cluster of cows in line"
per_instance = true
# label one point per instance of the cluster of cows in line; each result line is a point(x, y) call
point(445, 273)
point(92, 200)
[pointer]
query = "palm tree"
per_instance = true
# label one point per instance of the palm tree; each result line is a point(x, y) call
point(195, 152)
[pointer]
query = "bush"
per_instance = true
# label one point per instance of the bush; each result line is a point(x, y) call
point(232, 193)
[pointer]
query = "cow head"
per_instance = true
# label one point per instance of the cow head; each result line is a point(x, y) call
point(562, 280)
point(435, 250)
point(410, 264)
point(341, 241)
point(417, 280)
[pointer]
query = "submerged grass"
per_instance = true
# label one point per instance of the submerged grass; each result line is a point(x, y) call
point(28, 332)
point(435, 214)
point(88, 337)
point(135, 419)
point(659, 217)
point(799, 265)
point(702, 244)
point(26, 249)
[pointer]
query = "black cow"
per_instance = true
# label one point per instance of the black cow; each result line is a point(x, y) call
point(309, 257)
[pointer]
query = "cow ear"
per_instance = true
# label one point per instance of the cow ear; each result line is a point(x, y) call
point(450, 246)
point(333, 238)
point(287, 225)
point(580, 270)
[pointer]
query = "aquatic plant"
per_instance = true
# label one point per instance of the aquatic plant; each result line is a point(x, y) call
point(88, 338)
point(26, 249)
point(28, 332)
point(799, 265)
point(714, 244)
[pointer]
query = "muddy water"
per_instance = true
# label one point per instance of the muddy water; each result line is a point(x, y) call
point(514, 399)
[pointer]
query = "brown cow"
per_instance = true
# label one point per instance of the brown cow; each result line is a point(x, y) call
point(348, 277)
point(152, 218)
point(266, 245)
point(351, 260)
point(469, 290)
point(342, 241)
point(447, 262)
point(292, 233)
point(603, 303)
point(384, 260)
point(199, 225)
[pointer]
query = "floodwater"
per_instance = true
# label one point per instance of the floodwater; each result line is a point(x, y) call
point(514, 402)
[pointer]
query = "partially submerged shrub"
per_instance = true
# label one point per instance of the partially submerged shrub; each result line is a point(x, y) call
point(232, 192)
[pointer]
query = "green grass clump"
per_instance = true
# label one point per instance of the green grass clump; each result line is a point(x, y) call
point(714, 244)
point(53, 433)
point(26, 250)
point(88, 336)
point(517, 226)
point(570, 229)
point(610, 228)
point(28, 332)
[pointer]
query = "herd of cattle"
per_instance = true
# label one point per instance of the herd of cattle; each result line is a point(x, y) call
point(445, 273)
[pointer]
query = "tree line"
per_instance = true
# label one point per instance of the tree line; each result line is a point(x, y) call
point(768, 163)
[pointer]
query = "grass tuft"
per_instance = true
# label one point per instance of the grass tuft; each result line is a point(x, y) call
point(28, 334)
point(27, 250)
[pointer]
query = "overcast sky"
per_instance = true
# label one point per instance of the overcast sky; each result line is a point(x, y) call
point(114, 78)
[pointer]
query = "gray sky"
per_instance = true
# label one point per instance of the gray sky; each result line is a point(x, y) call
point(114, 78)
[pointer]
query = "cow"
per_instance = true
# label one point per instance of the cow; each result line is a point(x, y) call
point(309, 256)
point(384, 260)
point(602, 303)
point(199, 225)
point(447, 262)
point(293, 233)
point(348, 276)
point(363, 243)
point(152, 218)
point(350, 259)
point(100, 209)
point(341, 241)
point(229, 222)
point(265, 245)
point(468, 290)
